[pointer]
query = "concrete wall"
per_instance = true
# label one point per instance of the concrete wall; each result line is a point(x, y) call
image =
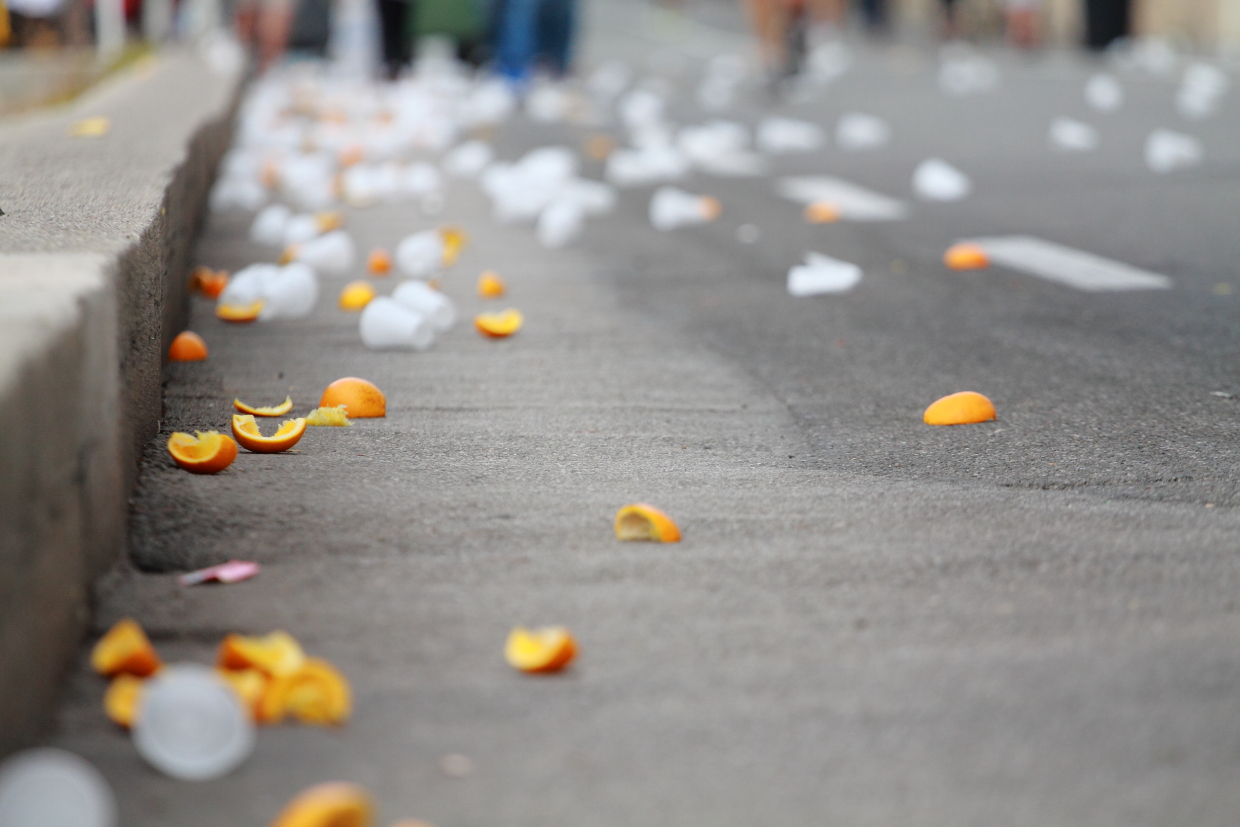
point(94, 253)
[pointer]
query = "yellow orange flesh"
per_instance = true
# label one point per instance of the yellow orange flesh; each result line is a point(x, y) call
point(245, 429)
point(964, 408)
point(187, 347)
point(125, 649)
point(120, 702)
point(822, 212)
point(337, 417)
point(238, 313)
point(250, 686)
point(334, 804)
point(540, 650)
point(499, 325)
point(966, 257)
point(490, 285)
point(640, 521)
point(315, 694)
point(360, 397)
point(207, 453)
point(379, 262)
point(271, 410)
point(275, 654)
point(356, 295)
point(454, 240)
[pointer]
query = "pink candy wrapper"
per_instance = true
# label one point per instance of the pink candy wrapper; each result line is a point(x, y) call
point(234, 571)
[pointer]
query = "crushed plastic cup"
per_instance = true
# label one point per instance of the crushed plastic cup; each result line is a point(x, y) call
point(702, 143)
point(777, 136)
point(192, 725)
point(857, 132)
point(247, 285)
point(1103, 92)
point(1073, 136)
point(594, 197)
point(468, 160)
point(1167, 151)
point(822, 274)
point(650, 165)
point(331, 253)
point(548, 103)
point(1201, 90)
point(610, 79)
point(236, 192)
point(671, 208)
point(49, 787)
point(300, 229)
point(936, 180)
point(964, 73)
point(387, 324)
point(270, 224)
point(560, 223)
point(421, 179)
point(829, 61)
point(426, 301)
point(640, 108)
point(420, 255)
point(290, 293)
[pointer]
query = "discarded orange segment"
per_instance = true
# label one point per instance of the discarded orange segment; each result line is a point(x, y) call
point(187, 347)
point(250, 686)
point(822, 212)
point(271, 410)
point(207, 453)
point(328, 221)
point(360, 398)
point(640, 521)
point(379, 262)
point(208, 282)
point(337, 416)
point(454, 240)
point(245, 429)
point(356, 295)
point(315, 694)
point(334, 804)
point(275, 654)
point(239, 313)
point(125, 650)
point(120, 702)
point(711, 208)
point(966, 256)
point(490, 285)
point(540, 650)
point(499, 325)
point(964, 408)
point(600, 146)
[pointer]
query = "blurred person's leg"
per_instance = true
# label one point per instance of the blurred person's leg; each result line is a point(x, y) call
point(1022, 23)
point(766, 17)
point(830, 12)
point(394, 24)
point(874, 13)
point(951, 19)
point(556, 27)
point(1105, 22)
point(518, 38)
point(264, 25)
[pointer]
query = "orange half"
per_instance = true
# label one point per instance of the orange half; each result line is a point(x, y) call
point(361, 398)
point(490, 285)
point(640, 521)
point(315, 694)
point(207, 453)
point(499, 325)
point(187, 347)
point(125, 649)
point(275, 654)
point(334, 804)
point(356, 295)
point(822, 212)
point(238, 313)
point(540, 650)
point(245, 429)
point(271, 410)
point(120, 702)
point(964, 408)
point(208, 282)
point(966, 257)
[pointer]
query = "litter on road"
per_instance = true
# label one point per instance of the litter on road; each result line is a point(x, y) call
point(822, 274)
point(1064, 265)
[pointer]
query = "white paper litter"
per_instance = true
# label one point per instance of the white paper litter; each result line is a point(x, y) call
point(822, 274)
point(937, 180)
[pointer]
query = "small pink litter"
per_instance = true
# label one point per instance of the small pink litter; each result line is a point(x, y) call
point(234, 571)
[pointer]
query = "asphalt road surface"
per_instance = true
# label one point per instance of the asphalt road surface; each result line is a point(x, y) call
point(869, 621)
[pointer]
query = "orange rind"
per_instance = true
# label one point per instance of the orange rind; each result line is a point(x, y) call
point(454, 240)
point(125, 649)
point(328, 221)
point(246, 432)
point(711, 208)
point(379, 262)
point(328, 417)
point(187, 347)
point(207, 453)
point(270, 410)
point(238, 313)
point(966, 256)
point(356, 295)
point(289, 255)
point(490, 285)
point(250, 686)
point(964, 408)
point(640, 521)
point(351, 155)
point(822, 212)
point(548, 649)
point(276, 654)
point(499, 325)
point(315, 694)
point(120, 702)
point(334, 804)
point(599, 147)
point(208, 282)
point(360, 398)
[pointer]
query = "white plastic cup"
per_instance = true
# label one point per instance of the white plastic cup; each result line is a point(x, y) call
point(671, 208)
point(300, 229)
point(192, 725)
point(48, 787)
point(426, 301)
point(421, 254)
point(290, 294)
point(332, 253)
point(270, 225)
point(388, 324)
point(560, 223)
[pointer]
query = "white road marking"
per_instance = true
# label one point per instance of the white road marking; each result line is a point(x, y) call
point(1064, 265)
point(854, 203)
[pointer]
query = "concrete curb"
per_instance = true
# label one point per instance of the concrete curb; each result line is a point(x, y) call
point(94, 254)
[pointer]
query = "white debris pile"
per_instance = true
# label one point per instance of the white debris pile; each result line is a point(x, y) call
point(1103, 92)
point(288, 292)
point(1167, 151)
point(936, 180)
point(964, 72)
point(1070, 135)
point(859, 132)
point(1201, 90)
point(671, 208)
point(778, 136)
point(822, 274)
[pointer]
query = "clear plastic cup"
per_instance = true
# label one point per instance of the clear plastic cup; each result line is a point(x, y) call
point(421, 254)
point(426, 301)
point(290, 294)
point(48, 787)
point(560, 223)
point(270, 224)
point(331, 253)
point(388, 324)
point(300, 229)
point(192, 725)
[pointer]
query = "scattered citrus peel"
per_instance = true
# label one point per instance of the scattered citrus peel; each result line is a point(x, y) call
point(965, 256)
point(250, 686)
point(270, 410)
point(246, 432)
point(454, 240)
point(964, 408)
point(548, 649)
point(315, 694)
point(187, 347)
point(499, 325)
point(490, 285)
point(361, 398)
point(822, 212)
point(356, 295)
point(334, 804)
point(125, 649)
point(275, 654)
point(95, 127)
point(208, 282)
point(238, 313)
point(207, 453)
point(379, 262)
point(121, 700)
point(640, 521)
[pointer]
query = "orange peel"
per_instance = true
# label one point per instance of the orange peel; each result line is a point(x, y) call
point(121, 701)
point(965, 256)
point(356, 295)
point(822, 212)
point(379, 262)
point(599, 147)
point(208, 452)
point(454, 240)
point(333, 804)
point(499, 325)
point(490, 285)
point(317, 693)
point(208, 282)
point(270, 410)
point(711, 208)
point(250, 686)
point(640, 521)
point(361, 398)
point(238, 313)
point(188, 346)
point(125, 649)
point(275, 654)
point(328, 221)
point(337, 416)
point(548, 649)
point(964, 408)
point(246, 432)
